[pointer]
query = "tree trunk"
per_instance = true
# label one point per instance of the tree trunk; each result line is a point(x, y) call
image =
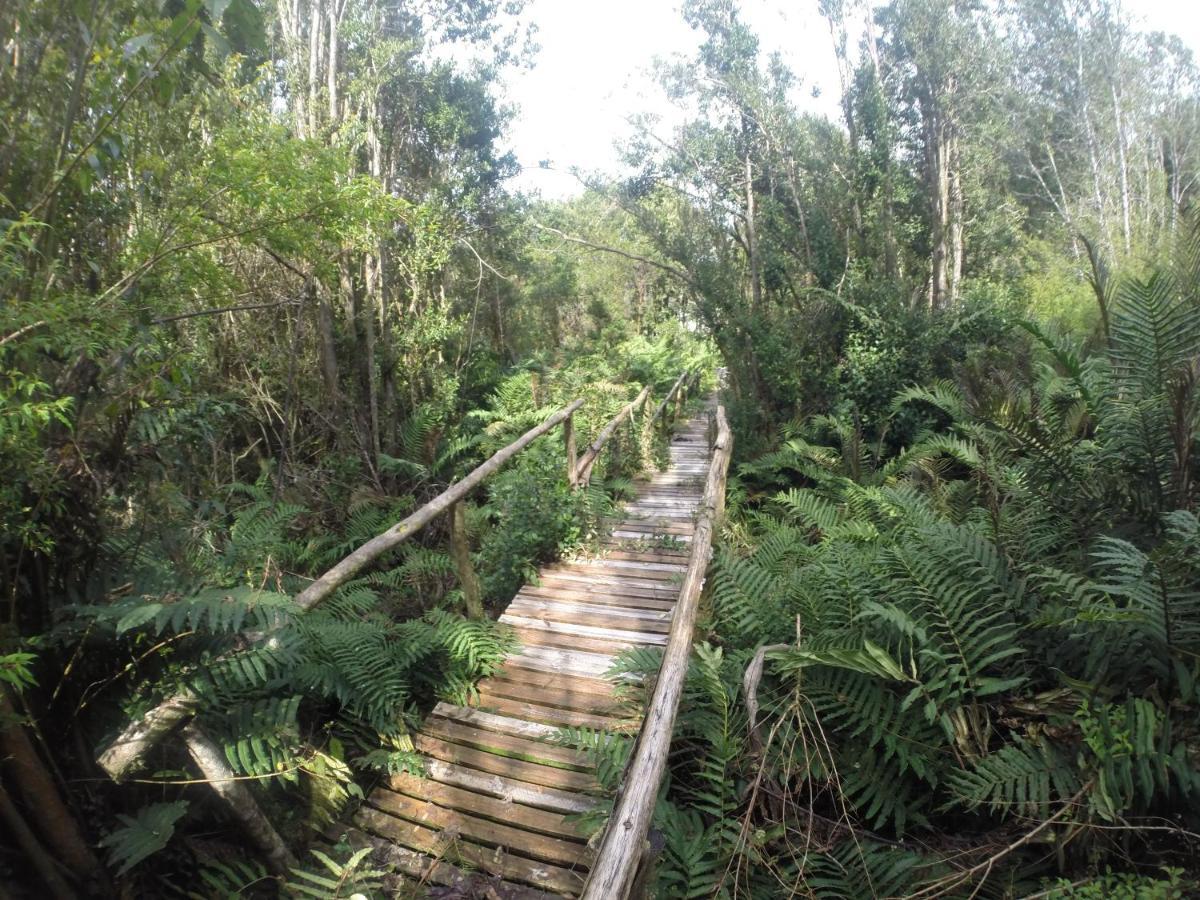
point(955, 213)
point(1123, 162)
point(56, 823)
point(335, 19)
point(460, 549)
point(314, 66)
point(752, 240)
point(328, 352)
point(210, 759)
point(33, 850)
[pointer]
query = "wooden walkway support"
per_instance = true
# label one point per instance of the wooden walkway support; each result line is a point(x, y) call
point(499, 795)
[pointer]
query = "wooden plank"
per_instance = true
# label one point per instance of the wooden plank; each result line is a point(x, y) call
point(519, 769)
point(444, 845)
point(423, 869)
point(492, 722)
point(602, 596)
point(632, 533)
point(654, 586)
point(580, 684)
point(648, 512)
point(662, 565)
point(569, 613)
point(527, 817)
point(648, 556)
point(587, 631)
point(502, 744)
point(656, 572)
point(540, 637)
point(618, 616)
point(652, 526)
point(570, 582)
point(554, 715)
point(562, 693)
point(510, 789)
point(568, 662)
point(480, 830)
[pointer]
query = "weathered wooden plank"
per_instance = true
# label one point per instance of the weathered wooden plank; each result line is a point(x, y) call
point(554, 715)
point(545, 776)
point(502, 744)
point(527, 817)
point(506, 865)
point(625, 532)
point(572, 582)
point(480, 830)
point(542, 638)
point(604, 568)
point(562, 692)
point(569, 662)
point(604, 596)
point(601, 686)
point(492, 722)
point(505, 788)
point(664, 556)
point(423, 869)
point(619, 616)
point(617, 581)
point(588, 631)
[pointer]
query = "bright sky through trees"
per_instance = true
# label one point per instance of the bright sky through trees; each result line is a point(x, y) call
point(593, 73)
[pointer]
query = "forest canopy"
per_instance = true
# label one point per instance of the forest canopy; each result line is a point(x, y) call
point(268, 286)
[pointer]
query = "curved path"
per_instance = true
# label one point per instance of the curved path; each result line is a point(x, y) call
point(500, 798)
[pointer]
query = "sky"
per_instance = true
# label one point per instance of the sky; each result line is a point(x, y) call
point(593, 72)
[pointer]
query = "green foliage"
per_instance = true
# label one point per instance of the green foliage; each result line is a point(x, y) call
point(337, 879)
point(1123, 886)
point(992, 627)
point(143, 834)
point(230, 879)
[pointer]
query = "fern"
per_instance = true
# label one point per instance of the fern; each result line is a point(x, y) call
point(335, 879)
point(143, 834)
point(229, 880)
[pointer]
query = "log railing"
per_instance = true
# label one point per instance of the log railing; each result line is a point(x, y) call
point(128, 749)
point(623, 846)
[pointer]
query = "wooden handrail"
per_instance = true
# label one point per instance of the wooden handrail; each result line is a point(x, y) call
point(402, 531)
point(662, 407)
point(131, 745)
point(621, 848)
point(584, 467)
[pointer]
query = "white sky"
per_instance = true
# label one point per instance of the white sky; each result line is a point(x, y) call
point(592, 72)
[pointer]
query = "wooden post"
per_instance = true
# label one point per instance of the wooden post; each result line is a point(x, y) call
point(461, 551)
point(572, 458)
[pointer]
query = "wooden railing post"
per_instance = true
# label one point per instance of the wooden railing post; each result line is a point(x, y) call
point(460, 549)
point(572, 458)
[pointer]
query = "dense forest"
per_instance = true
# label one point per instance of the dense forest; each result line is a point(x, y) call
point(266, 289)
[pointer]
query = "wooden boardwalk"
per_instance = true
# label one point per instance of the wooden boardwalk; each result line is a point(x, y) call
point(500, 798)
